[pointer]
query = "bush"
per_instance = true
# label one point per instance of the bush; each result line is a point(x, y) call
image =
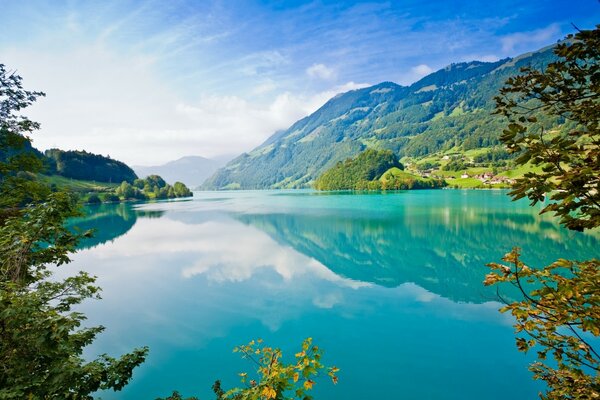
point(93, 199)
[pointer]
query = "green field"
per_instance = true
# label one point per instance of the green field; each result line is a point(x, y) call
point(396, 172)
point(78, 186)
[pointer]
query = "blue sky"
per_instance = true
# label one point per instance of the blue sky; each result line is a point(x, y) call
point(151, 81)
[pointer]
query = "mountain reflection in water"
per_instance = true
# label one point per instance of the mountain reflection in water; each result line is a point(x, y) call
point(395, 277)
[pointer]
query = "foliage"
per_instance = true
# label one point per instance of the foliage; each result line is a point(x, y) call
point(110, 197)
point(180, 190)
point(93, 199)
point(89, 166)
point(17, 163)
point(152, 187)
point(354, 173)
point(424, 166)
point(492, 155)
point(154, 180)
point(177, 396)
point(127, 191)
point(276, 379)
point(569, 89)
point(396, 179)
point(559, 317)
point(456, 165)
point(41, 339)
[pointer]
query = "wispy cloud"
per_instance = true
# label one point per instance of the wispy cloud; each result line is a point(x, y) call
point(537, 37)
point(422, 70)
point(148, 81)
point(262, 63)
point(321, 71)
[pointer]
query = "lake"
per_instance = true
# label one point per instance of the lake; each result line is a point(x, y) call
point(389, 285)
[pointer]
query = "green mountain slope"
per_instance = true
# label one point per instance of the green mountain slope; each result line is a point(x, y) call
point(450, 108)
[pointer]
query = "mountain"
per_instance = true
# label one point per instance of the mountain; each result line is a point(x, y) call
point(448, 109)
point(191, 170)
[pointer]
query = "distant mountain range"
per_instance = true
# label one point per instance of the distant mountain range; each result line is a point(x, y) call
point(448, 109)
point(191, 170)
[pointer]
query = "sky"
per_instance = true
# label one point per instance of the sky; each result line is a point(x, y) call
point(147, 82)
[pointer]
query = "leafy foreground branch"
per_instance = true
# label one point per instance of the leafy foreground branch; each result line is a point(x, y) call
point(569, 157)
point(560, 318)
point(41, 339)
point(274, 378)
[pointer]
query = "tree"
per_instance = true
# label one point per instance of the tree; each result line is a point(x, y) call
point(562, 315)
point(155, 180)
point(356, 173)
point(275, 378)
point(180, 190)
point(17, 162)
point(570, 158)
point(41, 339)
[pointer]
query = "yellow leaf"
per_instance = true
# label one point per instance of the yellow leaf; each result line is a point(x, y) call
point(269, 392)
point(296, 377)
point(308, 384)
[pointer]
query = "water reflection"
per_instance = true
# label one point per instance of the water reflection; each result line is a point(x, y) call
point(441, 242)
point(108, 221)
point(389, 285)
point(443, 251)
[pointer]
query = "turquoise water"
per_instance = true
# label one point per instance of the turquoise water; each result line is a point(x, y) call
point(389, 285)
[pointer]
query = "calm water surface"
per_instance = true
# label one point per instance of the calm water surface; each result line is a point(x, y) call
point(388, 284)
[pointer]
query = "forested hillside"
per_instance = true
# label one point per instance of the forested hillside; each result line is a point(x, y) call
point(355, 173)
point(87, 166)
point(449, 109)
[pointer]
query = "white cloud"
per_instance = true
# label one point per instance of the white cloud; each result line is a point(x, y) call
point(264, 87)
point(321, 71)
point(421, 70)
point(111, 105)
point(538, 37)
point(414, 74)
point(233, 124)
point(215, 258)
point(314, 102)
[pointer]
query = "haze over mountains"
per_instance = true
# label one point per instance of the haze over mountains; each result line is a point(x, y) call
point(191, 170)
point(448, 109)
